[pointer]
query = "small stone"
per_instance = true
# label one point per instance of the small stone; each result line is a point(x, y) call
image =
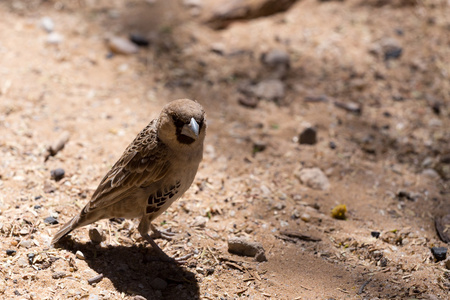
point(308, 136)
point(26, 243)
point(58, 275)
point(250, 102)
point(47, 24)
point(54, 38)
point(93, 297)
point(447, 264)
point(51, 221)
point(218, 48)
point(352, 107)
point(158, 284)
point(96, 236)
point(123, 46)
point(24, 231)
point(259, 146)
point(80, 255)
point(439, 253)
point(313, 178)
point(57, 174)
point(139, 39)
point(37, 206)
point(332, 145)
point(200, 221)
point(275, 58)
point(389, 48)
point(11, 252)
point(269, 89)
point(242, 246)
point(375, 234)
point(305, 217)
point(23, 262)
point(31, 257)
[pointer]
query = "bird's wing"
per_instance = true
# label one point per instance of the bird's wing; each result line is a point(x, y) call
point(143, 162)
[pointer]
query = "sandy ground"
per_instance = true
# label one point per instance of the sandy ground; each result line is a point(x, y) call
point(388, 163)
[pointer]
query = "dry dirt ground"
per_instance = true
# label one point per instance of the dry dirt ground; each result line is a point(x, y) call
point(388, 163)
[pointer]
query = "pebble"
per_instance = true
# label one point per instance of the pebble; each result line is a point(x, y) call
point(96, 235)
point(440, 253)
point(375, 234)
point(22, 262)
point(269, 89)
point(51, 221)
point(26, 243)
point(275, 57)
point(250, 102)
point(93, 297)
point(242, 246)
point(139, 39)
point(120, 45)
point(158, 284)
point(57, 174)
point(79, 255)
point(200, 221)
point(47, 24)
point(313, 178)
point(54, 38)
point(308, 136)
point(305, 217)
point(389, 48)
point(11, 252)
point(259, 146)
point(58, 275)
point(447, 264)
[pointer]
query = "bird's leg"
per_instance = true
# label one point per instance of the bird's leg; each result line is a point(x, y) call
point(163, 256)
point(157, 233)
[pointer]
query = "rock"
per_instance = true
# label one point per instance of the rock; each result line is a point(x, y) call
point(447, 264)
point(158, 284)
point(193, 3)
point(80, 255)
point(242, 246)
point(218, 48)
point(229, 11)
point(139, 40)
point(308, 136)
point(47, 24)
point(269, 89)
point(375, 234)
point(442, 224)
point(250, 102)
point(26, 243)
point(277, 61)
point(305, 217)
point(120, 45)
point(313, 178)
point(259, 146)
point(352, 107)
point(332, 145)
point(389, 48)
point(57, 174)
point(430, 173)
point(51, 221)
point(54, 38)
point(58, 275)
point(96, 235)
point(11, 252)
point(93, 297)
point(200, 221)
point(439, 253)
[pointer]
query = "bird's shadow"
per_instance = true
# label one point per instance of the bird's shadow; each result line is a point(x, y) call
point(133, 271)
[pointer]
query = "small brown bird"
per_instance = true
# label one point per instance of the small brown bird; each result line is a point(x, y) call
point(154, 171)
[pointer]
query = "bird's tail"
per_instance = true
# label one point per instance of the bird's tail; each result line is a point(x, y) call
point(66, 229)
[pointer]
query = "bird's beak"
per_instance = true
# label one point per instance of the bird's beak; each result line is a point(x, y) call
point(191, 130)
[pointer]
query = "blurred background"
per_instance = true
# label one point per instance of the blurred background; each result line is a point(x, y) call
point(328, 144)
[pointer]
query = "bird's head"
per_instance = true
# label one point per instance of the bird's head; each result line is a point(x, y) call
point(182, 124)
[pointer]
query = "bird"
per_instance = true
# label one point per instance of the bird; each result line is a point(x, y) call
point(156, 169)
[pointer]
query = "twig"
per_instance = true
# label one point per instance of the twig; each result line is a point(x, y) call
point(95, 279)
point(361, 289)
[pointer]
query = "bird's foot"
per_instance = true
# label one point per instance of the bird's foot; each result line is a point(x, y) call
point(160, 233)
point(163, 256)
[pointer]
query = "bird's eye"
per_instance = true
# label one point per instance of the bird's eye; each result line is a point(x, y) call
point(177, 122)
